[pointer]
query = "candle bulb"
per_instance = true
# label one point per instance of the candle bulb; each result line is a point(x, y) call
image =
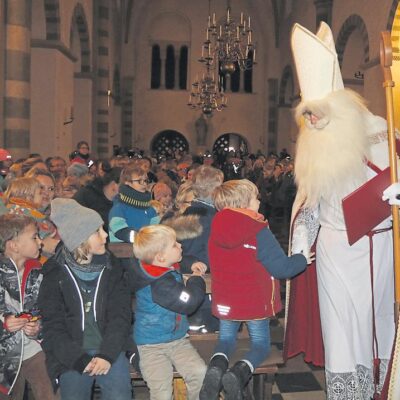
point(228, 15)
point(249, 21)
point(241, 18)
point(209, 20)
point(207, 35)
point(249, 37)
point(202, 51)
point(220, 31)
point(254, 55)
point(214, 20)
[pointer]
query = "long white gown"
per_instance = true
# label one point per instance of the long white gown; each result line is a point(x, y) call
point(345, 301)
point(344, 290)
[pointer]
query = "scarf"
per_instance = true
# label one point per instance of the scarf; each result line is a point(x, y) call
point(134, 198)
point(96, 265)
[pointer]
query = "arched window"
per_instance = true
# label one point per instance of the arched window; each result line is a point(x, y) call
point(235, 79)
point(221, 78)
point(166, 143)
point(155, 67)
point(170, 68)
point(230, 142)
point(116, 86)
point(248, 76)
point(183, 60)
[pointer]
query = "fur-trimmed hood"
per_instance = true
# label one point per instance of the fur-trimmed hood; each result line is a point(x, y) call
point(185, 226)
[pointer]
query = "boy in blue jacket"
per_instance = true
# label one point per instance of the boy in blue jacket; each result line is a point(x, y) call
point(162, 304)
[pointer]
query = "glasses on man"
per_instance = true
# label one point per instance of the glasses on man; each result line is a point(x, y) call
point(140, 181)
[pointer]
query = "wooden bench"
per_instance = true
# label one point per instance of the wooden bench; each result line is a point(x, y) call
point(264, 374)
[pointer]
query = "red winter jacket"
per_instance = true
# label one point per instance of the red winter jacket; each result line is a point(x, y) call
point(242, 287)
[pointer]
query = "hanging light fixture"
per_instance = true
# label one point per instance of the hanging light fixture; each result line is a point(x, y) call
point(207, 95)
point(229, 44)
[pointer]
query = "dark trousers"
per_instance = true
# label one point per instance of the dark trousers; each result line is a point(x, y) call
point(33, 370)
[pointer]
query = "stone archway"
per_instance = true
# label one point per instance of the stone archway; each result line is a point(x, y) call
point(392, 14)
point(352, 23)
point(167, 142)
point(79, 21)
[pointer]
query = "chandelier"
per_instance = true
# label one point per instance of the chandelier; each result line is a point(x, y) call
point(207, 95)
point(229, 44)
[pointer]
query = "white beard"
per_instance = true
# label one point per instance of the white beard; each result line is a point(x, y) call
point(330, 158)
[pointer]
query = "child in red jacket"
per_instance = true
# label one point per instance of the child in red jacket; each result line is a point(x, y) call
point(246, 264)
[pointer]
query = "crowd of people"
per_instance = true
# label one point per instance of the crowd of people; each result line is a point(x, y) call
point(65, 301)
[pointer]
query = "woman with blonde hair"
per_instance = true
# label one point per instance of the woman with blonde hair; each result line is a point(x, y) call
point(24, 197)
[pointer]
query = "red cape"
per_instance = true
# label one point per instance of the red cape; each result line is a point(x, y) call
point(303, 330)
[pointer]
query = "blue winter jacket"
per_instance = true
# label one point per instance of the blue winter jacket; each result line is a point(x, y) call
point(162, 303)
point(123, 216)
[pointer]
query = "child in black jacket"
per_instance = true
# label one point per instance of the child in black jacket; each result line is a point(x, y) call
point(86, 309)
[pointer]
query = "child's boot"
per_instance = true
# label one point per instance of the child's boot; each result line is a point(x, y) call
point(235, 380)
point(212, 383)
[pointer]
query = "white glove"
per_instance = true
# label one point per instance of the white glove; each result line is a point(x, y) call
point(392, 193)
point(300, 241)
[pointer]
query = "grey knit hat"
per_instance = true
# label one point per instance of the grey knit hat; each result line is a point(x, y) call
point(74, 222)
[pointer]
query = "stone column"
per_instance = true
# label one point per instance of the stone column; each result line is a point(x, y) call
point(17, 77)
point(102, 80)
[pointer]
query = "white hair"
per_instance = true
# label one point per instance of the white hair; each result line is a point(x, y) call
point(330, 156)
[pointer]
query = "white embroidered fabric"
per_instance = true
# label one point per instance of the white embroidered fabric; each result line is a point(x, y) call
point(358, 385)
point(308, 217)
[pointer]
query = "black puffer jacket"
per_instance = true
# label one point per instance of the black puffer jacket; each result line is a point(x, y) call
point(61, 304)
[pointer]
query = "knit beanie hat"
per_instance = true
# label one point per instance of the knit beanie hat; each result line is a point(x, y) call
point(5, 155)
point(74, 222)
point(161, 189)
point(77, 169)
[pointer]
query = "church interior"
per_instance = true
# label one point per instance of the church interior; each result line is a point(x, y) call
point(155, 76)
point(121, 72)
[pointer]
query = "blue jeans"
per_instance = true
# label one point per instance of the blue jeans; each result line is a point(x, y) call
point(260, 341)
point(116, 385)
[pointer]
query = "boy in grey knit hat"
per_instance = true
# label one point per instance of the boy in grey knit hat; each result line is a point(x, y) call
point(74, 222)
point(86, 309)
